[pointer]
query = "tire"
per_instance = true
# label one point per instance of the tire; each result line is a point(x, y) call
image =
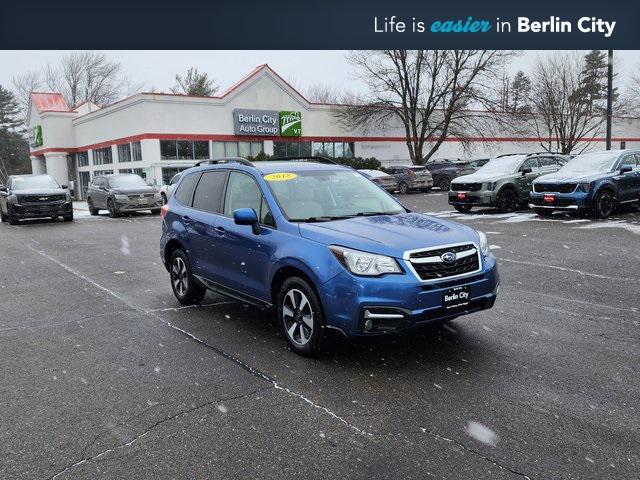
point(183, 283)
point(507, 201)
point(68, 218)
point(543, 212)
point(13, 220)
point(92, 210)
point(3, 217)
point(302, 327)
point(403, 188)
point(426, 190)
point(445, 184)
point(463, 208)
point(164, 198)
point(113, 210)
point(155, 211)
point(604, 204)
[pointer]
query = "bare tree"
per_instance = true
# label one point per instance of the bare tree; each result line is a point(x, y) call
point(22, 86)
point(322, 93)
point(429, 92)
point(631, 97)
point(195, 83)
point(86, 76)
point(564, 118)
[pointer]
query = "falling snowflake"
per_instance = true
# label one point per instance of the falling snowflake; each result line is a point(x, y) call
point(482, 434)
point(124, 245)
point(222, 408)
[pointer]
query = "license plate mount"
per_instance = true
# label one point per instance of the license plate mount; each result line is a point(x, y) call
point(456, 297)
point(462, 196)
point(549, 198)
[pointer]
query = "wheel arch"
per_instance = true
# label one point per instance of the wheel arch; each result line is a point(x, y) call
point(171, 246)
point(289, 270)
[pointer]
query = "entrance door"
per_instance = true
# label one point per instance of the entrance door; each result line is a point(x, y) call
point(84, 179)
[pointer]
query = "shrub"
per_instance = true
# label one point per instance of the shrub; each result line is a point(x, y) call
point(360, 163)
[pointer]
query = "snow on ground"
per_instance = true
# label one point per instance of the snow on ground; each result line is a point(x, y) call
point(630, 227)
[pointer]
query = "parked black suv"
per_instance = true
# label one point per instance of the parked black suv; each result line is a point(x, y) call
point(34, 196)
point(119, 193)
point(443, 171)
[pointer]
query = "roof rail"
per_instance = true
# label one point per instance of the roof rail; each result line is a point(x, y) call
point(215, 161)
point(309, 158)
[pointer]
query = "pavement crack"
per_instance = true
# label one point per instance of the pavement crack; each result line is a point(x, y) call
point(474, 452)
point(84, 459)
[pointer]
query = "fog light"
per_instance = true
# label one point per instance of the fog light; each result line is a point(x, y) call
point(368, 325)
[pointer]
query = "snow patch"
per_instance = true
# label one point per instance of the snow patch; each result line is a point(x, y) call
point(481, 433)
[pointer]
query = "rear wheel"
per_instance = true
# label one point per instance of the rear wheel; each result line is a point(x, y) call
point(92, 209)
point(445, 184)
point(604, 204)
point(183, 283)
point(463, 208)
point(300, 316)
point(113, 210)
point(403, 188)
point(507, 201)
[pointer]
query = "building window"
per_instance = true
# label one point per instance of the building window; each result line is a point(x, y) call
point(102, 172)
point(102, 156)
point(333, 149)
point(124, 153)
point(235, 149)
point(183, 150)
point(168, 173)
point(291, 149)
point(82, 159)
point(136, 151)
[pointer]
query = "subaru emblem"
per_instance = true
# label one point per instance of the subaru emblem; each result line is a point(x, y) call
point(448, 257)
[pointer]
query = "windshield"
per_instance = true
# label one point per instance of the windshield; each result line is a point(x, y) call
point(590, 163)
point(127, 181)
point(33, 182)
point(316, 196)
point(502, 165)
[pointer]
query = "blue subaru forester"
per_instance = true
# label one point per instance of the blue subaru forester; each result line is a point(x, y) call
point(324, 245)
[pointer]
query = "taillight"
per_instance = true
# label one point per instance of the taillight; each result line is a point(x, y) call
point(163, 211)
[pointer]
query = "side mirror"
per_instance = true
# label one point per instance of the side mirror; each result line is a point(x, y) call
point(625, 169)
point(526, 171)
point(64, 187)
point(3, 189)
point(247, 216)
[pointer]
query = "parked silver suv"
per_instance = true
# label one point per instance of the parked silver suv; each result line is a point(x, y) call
point(411, 177)
point(119, 193)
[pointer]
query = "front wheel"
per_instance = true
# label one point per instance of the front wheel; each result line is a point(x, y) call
point(13, 219)
point(113, 210)
point(507, 201)
point(604, 204)
point(300, 316)
point(68, 218)
point(183, 283)
point(445, 184)
point(403, 188)
point(155, 211)
point(164, 198)
point(463, 208)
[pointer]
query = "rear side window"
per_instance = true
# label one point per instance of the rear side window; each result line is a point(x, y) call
point(548, 162)
point(184, 192)
point(209, 191)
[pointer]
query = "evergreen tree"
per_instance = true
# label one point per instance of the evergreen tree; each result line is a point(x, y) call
point(14, 149)
point(9, 110)
point(593, 88)
point(520, 90)
point(195, 83)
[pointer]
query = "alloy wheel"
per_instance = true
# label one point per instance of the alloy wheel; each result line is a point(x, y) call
point(179, 276)
point(605, 205)
point(298, 316)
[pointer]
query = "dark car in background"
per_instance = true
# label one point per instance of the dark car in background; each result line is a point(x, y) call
point(503, 183)
point(594, 183)
point(384, 180)
point(34, 196)
point(443, 171)
point(120, 193)
point(411, 177)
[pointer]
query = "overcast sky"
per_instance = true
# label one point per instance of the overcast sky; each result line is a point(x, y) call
point(157, 69)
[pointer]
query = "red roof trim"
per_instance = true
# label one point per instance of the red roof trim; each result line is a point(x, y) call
point(227, 138)
point(49, 102)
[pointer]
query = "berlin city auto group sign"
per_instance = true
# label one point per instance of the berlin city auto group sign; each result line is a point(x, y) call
point(269, 123)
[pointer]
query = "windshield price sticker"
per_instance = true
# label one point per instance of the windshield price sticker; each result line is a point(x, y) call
point(280, 177)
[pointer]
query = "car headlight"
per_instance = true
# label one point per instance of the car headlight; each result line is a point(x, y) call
point(489, 186)
point(68, 196)
point(12, 199)
point(121, 198)
point(585, 187)
point(484, 244)
point(363, 263)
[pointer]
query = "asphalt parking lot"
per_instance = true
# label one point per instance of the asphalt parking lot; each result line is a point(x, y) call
point(104, 375)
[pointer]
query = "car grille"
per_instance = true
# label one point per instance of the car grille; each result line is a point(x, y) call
point(438, 269)
point(136, 196)
point(41, 198)
point(466, 187)
point(554, 187)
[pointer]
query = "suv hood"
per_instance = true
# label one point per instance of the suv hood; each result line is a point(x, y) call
point(390, 235)
point(479, 177)
point(40, 191)
point(131, 191)
point(582, 177)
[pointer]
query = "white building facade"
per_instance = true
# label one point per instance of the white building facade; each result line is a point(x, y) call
point(157, 135)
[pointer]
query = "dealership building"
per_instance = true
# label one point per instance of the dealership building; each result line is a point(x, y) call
point(157, 135)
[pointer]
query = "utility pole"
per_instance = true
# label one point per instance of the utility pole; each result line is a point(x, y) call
point(609, 97)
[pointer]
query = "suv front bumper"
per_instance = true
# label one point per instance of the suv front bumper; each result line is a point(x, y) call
point(561, 201)
point(485, 198)
point(395, 303)
point(42, 210)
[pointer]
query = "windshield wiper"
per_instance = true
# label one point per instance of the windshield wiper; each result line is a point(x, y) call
point(372, 214)
point(320, 219)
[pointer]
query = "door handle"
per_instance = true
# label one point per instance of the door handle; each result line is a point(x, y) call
point(220, 231)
